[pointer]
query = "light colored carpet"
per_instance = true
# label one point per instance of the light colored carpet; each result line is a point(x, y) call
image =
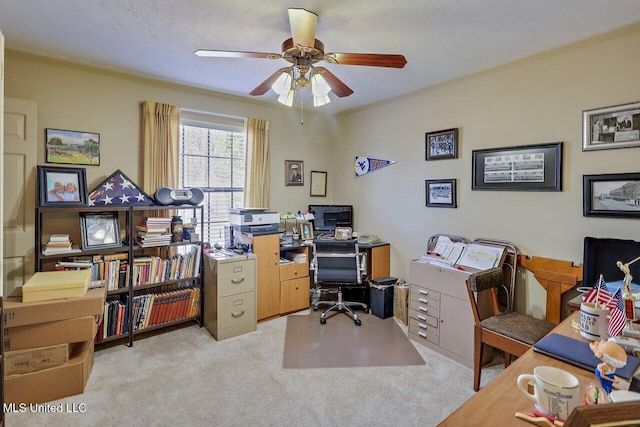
point(340, 343)
point(185, 377)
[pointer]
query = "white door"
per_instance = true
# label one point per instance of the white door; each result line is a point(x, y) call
point(19, 192)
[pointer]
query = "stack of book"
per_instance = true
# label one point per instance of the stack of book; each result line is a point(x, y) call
point(57, 244)
point(154, 232)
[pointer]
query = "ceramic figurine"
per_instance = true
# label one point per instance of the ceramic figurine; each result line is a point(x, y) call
point(612, 356)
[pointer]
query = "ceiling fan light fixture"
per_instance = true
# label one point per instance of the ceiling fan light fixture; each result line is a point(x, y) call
point(319, 86)
point(282, 85)
point(319, 101)
point(287, 98)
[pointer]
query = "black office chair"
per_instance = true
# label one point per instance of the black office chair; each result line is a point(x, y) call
point(338, 262)
point(600, 257)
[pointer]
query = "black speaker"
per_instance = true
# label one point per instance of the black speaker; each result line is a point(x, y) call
point(181, 196)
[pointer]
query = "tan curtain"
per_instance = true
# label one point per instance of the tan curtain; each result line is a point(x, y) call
point(160, 142)
point(257, 187)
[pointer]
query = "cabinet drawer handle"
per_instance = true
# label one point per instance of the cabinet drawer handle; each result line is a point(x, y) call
point(421, 317)
point(237, 314)
point(423, 309)
point(422, 334)
point(423, 300)
point(240, 280)
point(422, 325)
point(423, 292)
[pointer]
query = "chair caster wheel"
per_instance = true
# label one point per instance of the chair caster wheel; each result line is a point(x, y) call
point(323, 321)
point(358, 322)
point(367, 311)
point(315, 308)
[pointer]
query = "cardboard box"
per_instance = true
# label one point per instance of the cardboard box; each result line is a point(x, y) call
point(18, 313)
point(35, 359)
point(52, 383)
point(50, 333)
point(48, 285)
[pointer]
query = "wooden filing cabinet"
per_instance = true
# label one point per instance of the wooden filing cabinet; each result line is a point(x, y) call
point(440, 315)
point(267, 250)
point(294, 282)
point(229, 295)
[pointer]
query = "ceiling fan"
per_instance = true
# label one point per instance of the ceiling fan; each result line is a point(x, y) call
point(303, 51)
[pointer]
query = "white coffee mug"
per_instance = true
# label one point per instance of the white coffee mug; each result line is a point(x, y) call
point(594, 322)
point(555, 392)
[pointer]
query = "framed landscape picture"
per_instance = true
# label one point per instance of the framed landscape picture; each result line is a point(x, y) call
point(612, 195)
point(72, 147)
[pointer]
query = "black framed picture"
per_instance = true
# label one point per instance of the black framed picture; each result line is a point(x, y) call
point(72, 147)
point(62, 187)
point(441, 193)
point(611, 127)
point(612, 195)
point(442, 144)
point(536, 167)
point(100, 230)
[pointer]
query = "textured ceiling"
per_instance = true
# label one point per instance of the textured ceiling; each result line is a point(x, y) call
point(441, 39)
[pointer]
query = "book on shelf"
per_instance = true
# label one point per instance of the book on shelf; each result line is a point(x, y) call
point(58, 251)
point(59, 238)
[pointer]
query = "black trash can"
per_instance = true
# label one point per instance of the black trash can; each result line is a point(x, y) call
point(381, 297)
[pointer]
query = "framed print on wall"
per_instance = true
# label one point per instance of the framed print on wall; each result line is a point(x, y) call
point(318, 184)
point(441, 193)
point(61, 187)
point(612, 195)
point(536, 167)
point(442, 144)
point(611, 127)
point(294, 172)
point(72, 147)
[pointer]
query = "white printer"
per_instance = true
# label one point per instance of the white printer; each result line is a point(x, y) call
point(254, 220)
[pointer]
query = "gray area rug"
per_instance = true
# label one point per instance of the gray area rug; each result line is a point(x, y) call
point(341, 344)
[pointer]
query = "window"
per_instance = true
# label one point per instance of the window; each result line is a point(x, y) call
point(212, 158)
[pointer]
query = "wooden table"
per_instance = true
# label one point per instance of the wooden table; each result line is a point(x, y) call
point(497, 402)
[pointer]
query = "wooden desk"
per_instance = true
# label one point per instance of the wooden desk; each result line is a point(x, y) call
point(497, 402)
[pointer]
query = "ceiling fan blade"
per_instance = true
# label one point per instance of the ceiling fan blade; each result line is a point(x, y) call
point(337, 86)
point(368, 59)
point(235, 54)
point(303, 27)
point(264, 87)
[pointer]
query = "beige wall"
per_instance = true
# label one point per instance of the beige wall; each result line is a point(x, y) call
point(87, 99)
point(533, 101)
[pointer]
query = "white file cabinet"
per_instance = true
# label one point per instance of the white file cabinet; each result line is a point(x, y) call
point(440, 315)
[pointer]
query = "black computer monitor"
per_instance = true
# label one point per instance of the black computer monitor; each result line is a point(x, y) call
point(328, 217)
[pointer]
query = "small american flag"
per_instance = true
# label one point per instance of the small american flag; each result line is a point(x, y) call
point(603, 296)
point(618, 321)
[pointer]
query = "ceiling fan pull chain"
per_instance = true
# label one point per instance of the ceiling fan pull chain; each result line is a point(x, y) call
point(301, 111)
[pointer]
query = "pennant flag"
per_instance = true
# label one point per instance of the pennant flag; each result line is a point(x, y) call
point(603, 296)
point(118, 190)
point(364, 165)
point(618, 320)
